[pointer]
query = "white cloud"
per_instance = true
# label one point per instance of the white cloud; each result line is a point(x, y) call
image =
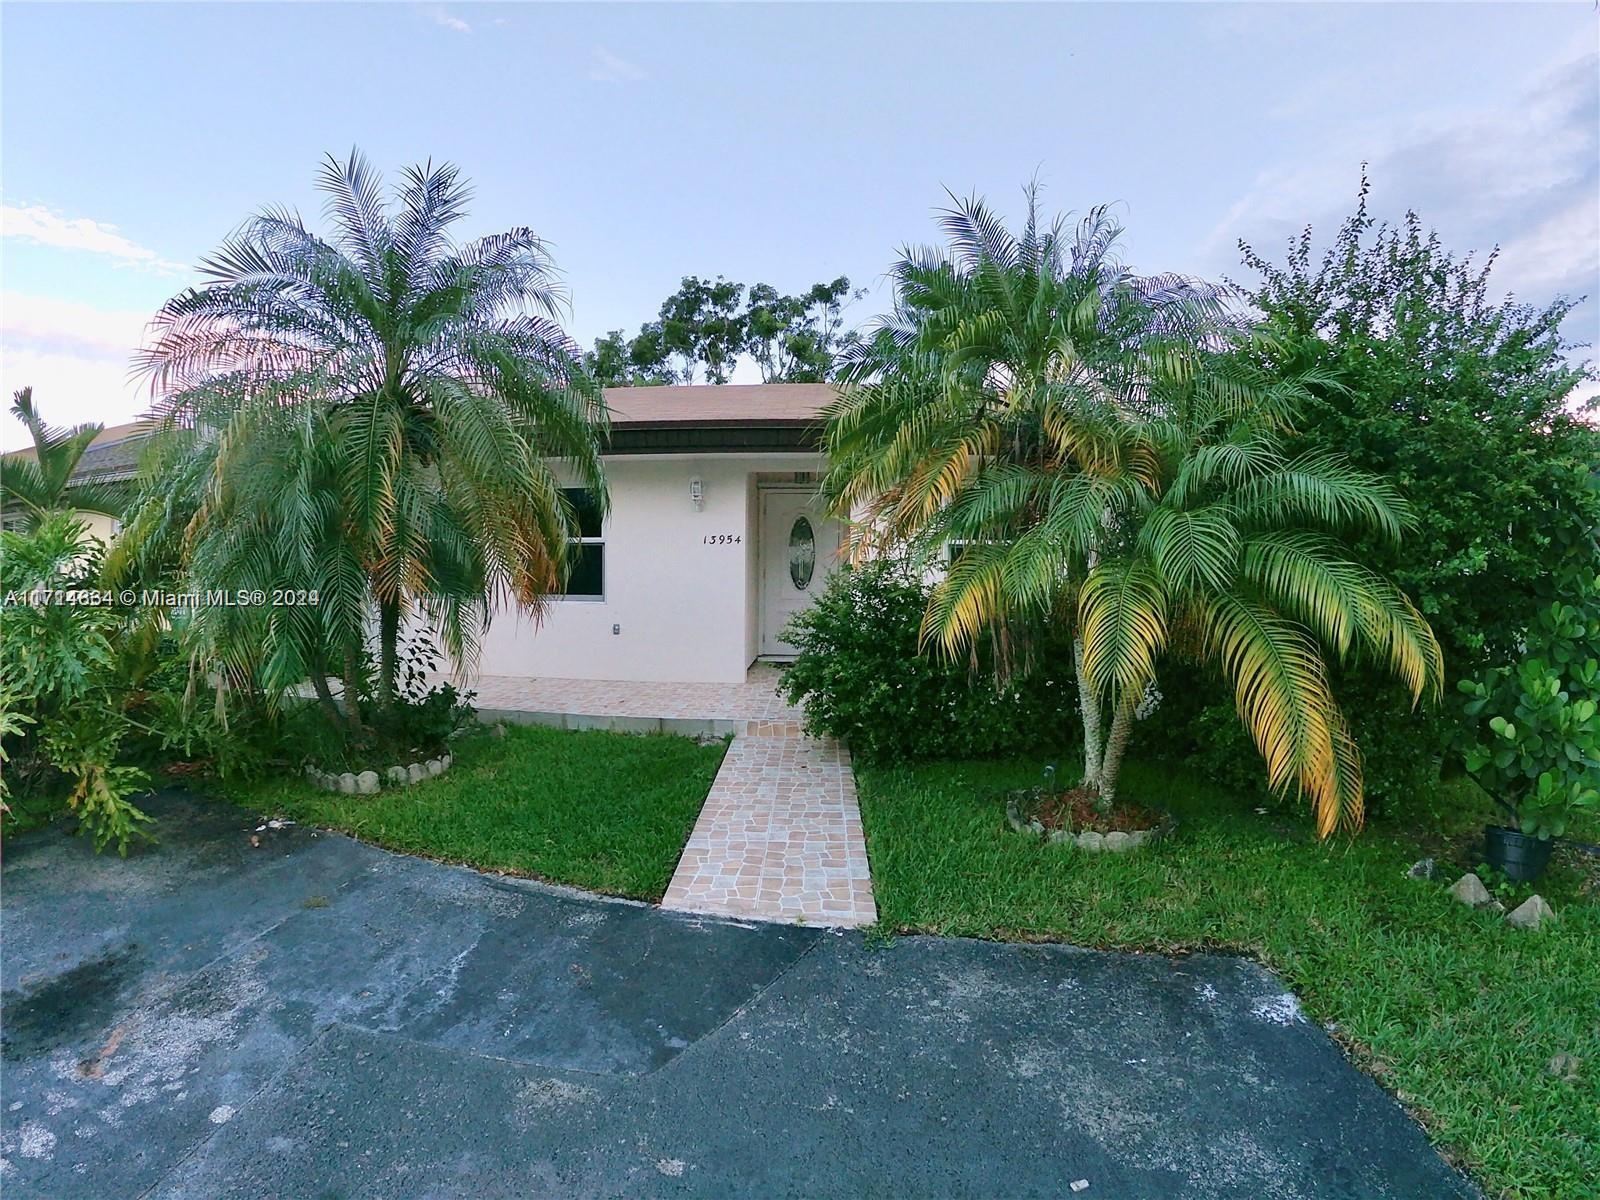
point(453, 23)
point(74, 356)
point(612, 68)
point(42, 226)
point(1523, 175)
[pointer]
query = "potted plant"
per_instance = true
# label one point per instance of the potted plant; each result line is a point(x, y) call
point(1536, 745)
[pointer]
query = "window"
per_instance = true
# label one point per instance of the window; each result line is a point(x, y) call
point(586, 553)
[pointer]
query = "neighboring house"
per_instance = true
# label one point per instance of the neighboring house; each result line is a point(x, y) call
point(113, 457)
point(714, 540)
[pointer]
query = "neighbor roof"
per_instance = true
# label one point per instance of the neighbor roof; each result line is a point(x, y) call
point(114, 453)
point(715, 405)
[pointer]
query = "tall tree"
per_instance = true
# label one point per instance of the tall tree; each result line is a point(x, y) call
point(702, 323)
point(795, 339)
point(44, 484)
point(1470, 402)
point(1084, 439)
point(378, 415)
point(790, 339)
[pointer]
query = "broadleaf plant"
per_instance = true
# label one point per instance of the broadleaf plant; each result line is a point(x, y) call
point(1535, 746)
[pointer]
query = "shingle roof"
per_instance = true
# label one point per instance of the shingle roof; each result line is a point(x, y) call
point(114, 453)
point(715, 405)
point(793, 406)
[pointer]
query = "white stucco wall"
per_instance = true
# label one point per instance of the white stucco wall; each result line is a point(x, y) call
point(684, 609)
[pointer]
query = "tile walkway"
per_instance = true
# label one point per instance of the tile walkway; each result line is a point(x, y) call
point(780, 837)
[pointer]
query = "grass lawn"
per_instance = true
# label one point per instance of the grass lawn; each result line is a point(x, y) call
point(1453, 1010)
point(605, 811)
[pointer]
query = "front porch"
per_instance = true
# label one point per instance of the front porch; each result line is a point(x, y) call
point(631, 706)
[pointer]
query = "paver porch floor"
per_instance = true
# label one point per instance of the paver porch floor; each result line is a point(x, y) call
point(780, 835)
point(754, 699)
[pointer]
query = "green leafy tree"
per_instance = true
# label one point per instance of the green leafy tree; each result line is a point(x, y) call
point(375, 416)
point(44, 484)
point(791, 339)
point(1469, 404)
point(795, 339)
point(1100, 460)
point(702, 323)
point(617, 361)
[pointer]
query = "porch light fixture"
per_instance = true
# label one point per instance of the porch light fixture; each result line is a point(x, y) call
point(697, 495)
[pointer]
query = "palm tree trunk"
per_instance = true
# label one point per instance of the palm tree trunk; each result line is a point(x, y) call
point(1116, 743)
point(388, 650)
point(319, 681)
point(1089, 707)
point(352, 689)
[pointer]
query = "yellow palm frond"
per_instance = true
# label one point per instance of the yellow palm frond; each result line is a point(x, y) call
point(1122, 613)
point(1283, 699)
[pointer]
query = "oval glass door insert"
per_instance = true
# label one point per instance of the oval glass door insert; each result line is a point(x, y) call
point(802, 553)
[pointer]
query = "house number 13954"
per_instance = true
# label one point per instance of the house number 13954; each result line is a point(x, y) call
point(721, 539)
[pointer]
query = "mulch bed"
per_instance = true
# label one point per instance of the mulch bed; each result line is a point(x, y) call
point(1076, 811)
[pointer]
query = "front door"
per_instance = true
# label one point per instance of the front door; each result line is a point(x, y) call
point(798, 547)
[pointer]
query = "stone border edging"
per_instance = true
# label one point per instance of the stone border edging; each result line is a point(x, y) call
point(369, 783)
point(1115, 842)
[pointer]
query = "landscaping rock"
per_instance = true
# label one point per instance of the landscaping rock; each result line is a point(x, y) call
point(447, 760)
point(1139, 837)
point(397, 776)
point(1422, 869)
point(1116, 841)
point(347, 784)
point(1470, 891)
point(1092, 841)
point(435, 767)
point(367, 783)
point(1531, 913)
point(415, 773)
point(497, 730)
point(1059, 836)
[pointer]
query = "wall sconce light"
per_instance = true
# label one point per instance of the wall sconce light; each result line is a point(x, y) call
point(697, 495)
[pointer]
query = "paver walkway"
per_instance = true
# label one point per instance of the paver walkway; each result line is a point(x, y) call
point(780, 835)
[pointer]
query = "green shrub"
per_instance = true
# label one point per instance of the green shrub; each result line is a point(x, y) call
point(1471, 404)
point(64, 701)
point(1534, 738)
point(862, 679)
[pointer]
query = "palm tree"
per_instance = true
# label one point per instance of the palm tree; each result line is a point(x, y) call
point(1094, 452)
point(377, 415)
point(38, 486)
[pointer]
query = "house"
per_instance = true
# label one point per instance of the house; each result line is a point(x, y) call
point(715, 539)
point(112, 457)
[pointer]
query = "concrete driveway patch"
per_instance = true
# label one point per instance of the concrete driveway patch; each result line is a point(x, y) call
point(314, 1017)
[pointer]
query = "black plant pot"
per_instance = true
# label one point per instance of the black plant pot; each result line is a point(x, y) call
point(1521, 857)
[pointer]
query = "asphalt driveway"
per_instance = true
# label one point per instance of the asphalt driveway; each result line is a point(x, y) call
point(312, 1017)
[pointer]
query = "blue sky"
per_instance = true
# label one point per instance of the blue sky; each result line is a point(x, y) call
point(776, 143)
